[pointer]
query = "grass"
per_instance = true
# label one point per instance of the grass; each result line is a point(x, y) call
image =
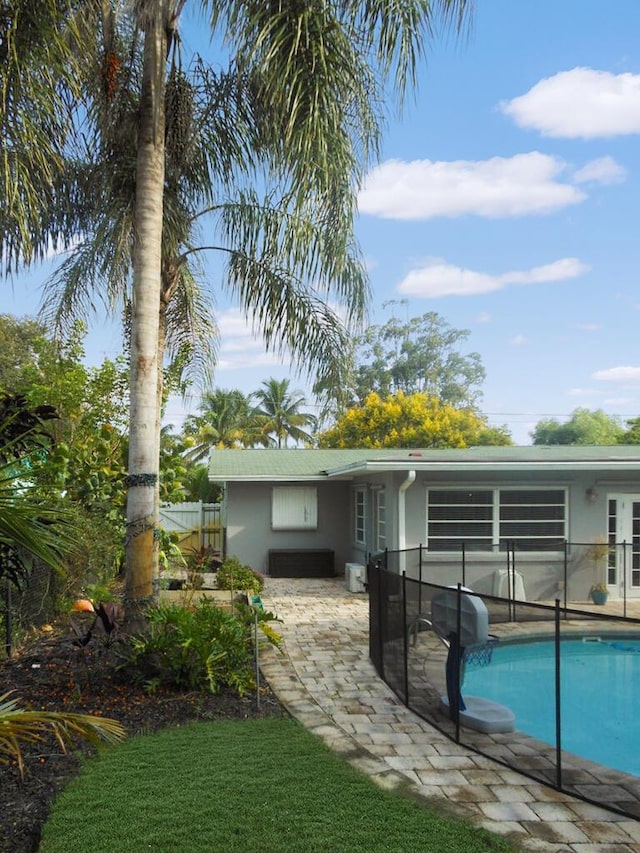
point(255, 786)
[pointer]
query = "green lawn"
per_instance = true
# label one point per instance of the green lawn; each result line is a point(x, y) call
point(260, 786)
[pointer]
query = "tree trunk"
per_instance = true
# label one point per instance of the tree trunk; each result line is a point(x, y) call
point(147, 264)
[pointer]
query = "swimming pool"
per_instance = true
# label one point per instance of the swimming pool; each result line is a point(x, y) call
point(600, 694)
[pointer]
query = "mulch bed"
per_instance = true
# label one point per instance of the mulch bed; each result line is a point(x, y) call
point(51, 673)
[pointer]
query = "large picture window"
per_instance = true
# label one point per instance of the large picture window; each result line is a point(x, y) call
point(488, 519)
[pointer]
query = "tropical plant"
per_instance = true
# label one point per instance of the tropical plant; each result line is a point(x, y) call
point(19, 726)
point(194, 648)
point(596, 554)
point(279, 413)
point(198, 486)
point(30, 526)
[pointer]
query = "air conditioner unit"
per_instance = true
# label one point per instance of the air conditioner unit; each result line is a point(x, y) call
point(503, 587)
point(355, 576)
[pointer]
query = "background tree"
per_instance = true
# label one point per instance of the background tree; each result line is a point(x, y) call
point(421, 355)
point(632, 434)
point(279, 412)
point(584, 427)
point(22, 342)
point(411, 421)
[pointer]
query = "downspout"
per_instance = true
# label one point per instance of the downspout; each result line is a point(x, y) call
point(402, 538)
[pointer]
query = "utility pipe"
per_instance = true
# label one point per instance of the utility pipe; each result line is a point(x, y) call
point(402, 537)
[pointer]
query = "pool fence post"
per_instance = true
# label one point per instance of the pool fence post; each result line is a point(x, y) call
point(458, 661)
point(565, 571)
point(381, 610)
point(624, 578)
point(420, 578)
point(406, 640)
point(558, 702)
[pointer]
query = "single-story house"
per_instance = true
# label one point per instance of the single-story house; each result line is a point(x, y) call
point(542, 513)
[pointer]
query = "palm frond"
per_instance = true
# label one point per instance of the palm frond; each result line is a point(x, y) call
point(19, 726)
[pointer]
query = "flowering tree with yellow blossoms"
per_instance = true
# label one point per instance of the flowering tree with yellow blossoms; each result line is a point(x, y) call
point(410, 421)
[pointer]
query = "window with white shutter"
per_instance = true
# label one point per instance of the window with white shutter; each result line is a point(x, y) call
point(294, 508)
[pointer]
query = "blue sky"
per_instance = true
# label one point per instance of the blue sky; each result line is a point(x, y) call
point(506, 199)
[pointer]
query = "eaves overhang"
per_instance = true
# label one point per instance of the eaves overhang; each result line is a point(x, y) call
point(429, 467)
point(272, 478)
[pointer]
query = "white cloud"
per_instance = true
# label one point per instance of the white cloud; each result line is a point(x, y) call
point(518, 340)
point(240, 347)
point(603, 170)
point(437, 278)
point(619, 402)
point(588, 327)
point(581, 103)
point(618, 374)
point(483, 317)
point(584, 392)
point(499, 187)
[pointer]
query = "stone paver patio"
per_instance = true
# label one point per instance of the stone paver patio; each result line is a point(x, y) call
point(327, 682)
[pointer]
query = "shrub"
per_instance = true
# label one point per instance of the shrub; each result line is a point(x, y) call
point(194, 648)
point(232, 574)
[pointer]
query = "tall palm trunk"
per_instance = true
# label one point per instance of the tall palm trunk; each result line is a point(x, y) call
point(147, 264)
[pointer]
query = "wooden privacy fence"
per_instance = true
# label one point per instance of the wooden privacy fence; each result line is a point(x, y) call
point(198, 525)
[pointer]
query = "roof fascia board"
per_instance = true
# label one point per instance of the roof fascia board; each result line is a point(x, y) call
point(425, 466)
point(271, 478)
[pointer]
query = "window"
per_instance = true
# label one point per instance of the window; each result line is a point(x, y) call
point(456, 517)
point(484, 519)
point(294, 508)
point(360, 516)
point(380, 519)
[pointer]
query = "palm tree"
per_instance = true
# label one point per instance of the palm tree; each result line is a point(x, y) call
point(202, 108)
point(227, 420)
point(280, 410)
point(317, 71)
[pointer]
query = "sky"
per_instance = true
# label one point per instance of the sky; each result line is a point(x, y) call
point(506, 199)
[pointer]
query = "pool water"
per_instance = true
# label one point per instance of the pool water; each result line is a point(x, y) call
point(600, 695)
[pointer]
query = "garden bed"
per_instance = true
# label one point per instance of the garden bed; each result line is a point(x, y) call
point(51, 673)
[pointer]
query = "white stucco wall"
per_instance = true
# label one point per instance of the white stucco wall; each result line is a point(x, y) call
point(542, 574)
point(249, 533)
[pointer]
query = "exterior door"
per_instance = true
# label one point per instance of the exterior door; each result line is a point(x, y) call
point(623, 569)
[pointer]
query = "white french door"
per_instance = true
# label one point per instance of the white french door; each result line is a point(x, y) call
point(623, 567)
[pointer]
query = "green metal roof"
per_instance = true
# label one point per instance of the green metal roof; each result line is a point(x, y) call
point(299, 464)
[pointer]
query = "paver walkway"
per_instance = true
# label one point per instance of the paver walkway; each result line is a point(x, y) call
point(326, 680)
